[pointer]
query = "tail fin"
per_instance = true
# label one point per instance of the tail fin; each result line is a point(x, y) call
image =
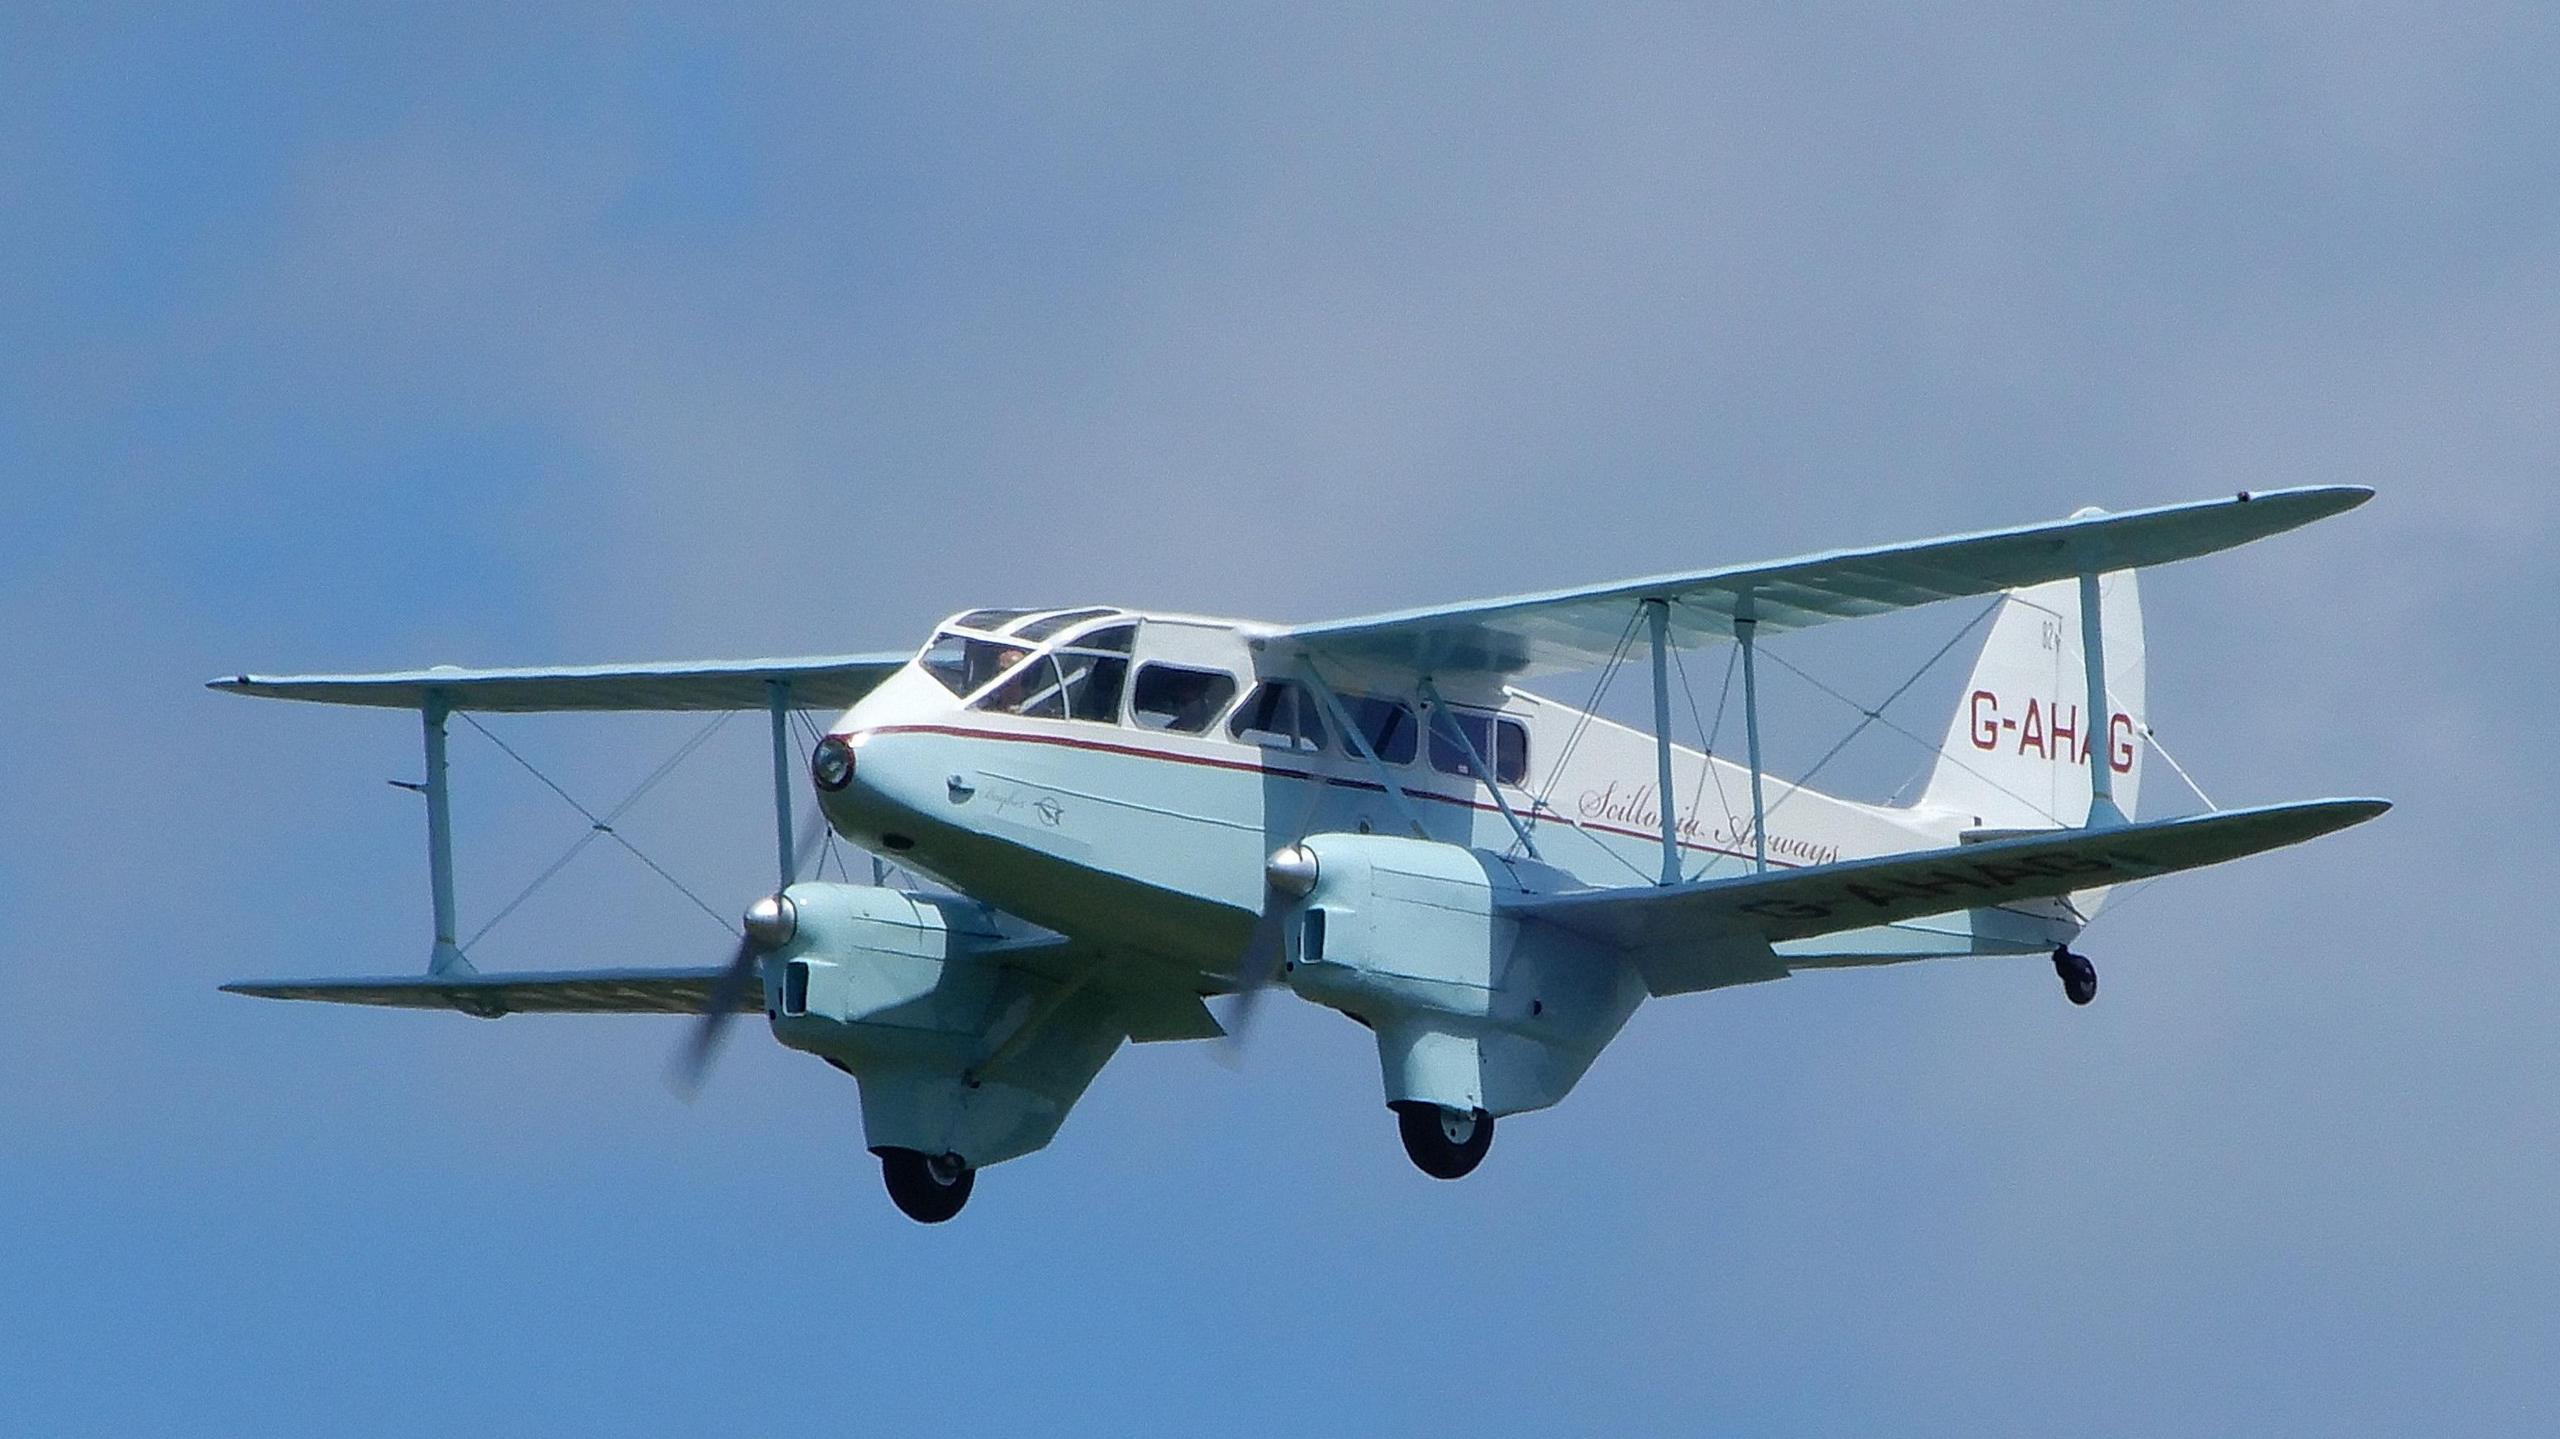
point(2017, 752)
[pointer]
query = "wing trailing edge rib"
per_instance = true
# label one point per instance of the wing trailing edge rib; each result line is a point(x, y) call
point(1716, 932)
point(1519, 636)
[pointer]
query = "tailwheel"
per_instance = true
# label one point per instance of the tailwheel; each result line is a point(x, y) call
point(2079, 976)
point(1443, 1143)
point(927, 1188)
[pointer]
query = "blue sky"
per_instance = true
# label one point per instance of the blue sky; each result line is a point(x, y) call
point(344, 340)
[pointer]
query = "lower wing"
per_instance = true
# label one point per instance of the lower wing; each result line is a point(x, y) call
point(1718, 932)
point(1148, 1014)
point(583, 991)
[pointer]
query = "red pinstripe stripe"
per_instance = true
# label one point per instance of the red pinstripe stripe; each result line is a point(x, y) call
point(1255, 767)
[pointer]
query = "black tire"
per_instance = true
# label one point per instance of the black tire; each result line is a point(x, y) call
point(2079, 976)
point(1430, 1145)
point(926, 1188)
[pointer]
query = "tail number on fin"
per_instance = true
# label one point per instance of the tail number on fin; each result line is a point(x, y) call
point(2049, 730)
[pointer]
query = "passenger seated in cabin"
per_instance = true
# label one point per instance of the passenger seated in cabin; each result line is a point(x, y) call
point(1177, 698)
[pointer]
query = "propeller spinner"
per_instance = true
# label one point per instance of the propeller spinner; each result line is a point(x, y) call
point(1288, 876)
point(768, 925)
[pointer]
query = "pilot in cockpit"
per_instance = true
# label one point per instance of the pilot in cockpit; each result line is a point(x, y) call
point(988, 661)
point(1018, 694)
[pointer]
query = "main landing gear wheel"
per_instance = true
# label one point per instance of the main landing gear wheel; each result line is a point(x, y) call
point(1443, 1143)
point(2079, 976)
point(927, 1188)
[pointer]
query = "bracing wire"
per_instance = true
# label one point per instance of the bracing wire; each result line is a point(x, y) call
point(837, 847)
point(2183, 777)
point(827, 841)
point(602, 825)
point(1724, 702)
point(1582, 724)
point(1708, 773)
point(647, 783)
point(1591, 708)
point(2127, 894)
point(1876, 715)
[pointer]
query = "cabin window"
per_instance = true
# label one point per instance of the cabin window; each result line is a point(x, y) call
point(1511, 751)
point(990, 620)
point(1503, 742)
point(1114, 640)
point(1093, 684)
point(1173, 697)
point(1279, 714)
point(1387, 725)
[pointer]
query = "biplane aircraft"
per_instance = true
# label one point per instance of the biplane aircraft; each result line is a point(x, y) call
point(1137, 812)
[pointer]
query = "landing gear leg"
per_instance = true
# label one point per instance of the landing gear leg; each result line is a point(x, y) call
point(927, 1188)
point(1443, 1143)
point(2079, 976)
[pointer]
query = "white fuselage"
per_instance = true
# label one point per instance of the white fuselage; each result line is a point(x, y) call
point(1149, 840)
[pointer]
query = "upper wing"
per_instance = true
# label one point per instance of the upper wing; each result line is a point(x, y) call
point(1521, 635)
point(581, 991)
point(825, 681)
point(1718, 931)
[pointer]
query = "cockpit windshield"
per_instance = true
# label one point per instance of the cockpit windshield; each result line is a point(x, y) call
point(1011, 671)
point(964, 663)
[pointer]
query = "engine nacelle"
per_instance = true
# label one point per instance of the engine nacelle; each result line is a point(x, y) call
point(1472, 1009)
point(894, 989)
point(875, 974)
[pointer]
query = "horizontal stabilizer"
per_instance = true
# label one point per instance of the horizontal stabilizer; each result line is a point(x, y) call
point(1522, 635)
point(1827, 899)
point(819, 682)
point(583, 991)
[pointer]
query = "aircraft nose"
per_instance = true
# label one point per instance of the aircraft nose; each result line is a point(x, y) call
point(850, 798)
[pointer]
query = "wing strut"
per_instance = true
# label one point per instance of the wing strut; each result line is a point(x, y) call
point(1746, 627)
point(446, 956)
point(1359, 744)
point(778, 701)
point(1440, 715)
point(436, 706)
point(2101, 720)
point(1658, 613)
